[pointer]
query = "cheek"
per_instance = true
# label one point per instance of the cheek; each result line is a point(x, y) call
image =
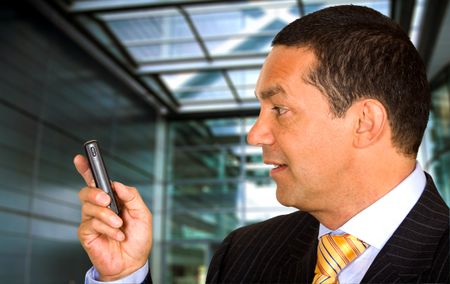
point(318, 148)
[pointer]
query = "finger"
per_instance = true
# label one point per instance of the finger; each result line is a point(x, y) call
point(82, 166)
point(129, 196)
point(94, 196)
point(103, 214)
point(94, 227)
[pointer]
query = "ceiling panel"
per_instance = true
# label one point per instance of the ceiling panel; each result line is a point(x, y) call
point(196, 56)
point(198, 86)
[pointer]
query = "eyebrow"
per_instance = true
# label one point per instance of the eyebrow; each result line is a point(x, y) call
point(270, 92)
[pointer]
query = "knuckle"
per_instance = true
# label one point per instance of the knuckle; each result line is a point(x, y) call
point(81, 230)
point(82, 193)
point(133, 190)
point(85, 208)
point(93, 194)
point(103, 214)
point(96, 224)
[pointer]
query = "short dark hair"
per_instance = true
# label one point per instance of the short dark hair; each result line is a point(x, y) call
point(364, 54)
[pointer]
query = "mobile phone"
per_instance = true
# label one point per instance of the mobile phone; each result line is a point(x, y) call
point(99, 172)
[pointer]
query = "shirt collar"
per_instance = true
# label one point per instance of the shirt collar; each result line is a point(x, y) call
point(376, 224)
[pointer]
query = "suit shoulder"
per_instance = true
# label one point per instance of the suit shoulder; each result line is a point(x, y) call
point(265, 251)
point(279, 223)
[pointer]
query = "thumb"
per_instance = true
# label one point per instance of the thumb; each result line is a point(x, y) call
point(129, 196)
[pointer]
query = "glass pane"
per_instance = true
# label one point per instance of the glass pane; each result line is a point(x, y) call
point(154, 34)
point(232, 19)
point(165, 51)
point(187, 262)
point(245, 82)
point(204, 96)
point(237, 45)
point(439, 144)
point(383, 6)
point(206, 132)
point(202, 225)
point(147, 25)
point(261, 202)
point(204, 195)
point(218, 163)
point(239, 29)
point(254, 166)
point(225, 127)
point(54, 97)
point(196, 86)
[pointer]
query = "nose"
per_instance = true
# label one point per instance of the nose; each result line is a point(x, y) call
point(260, 134)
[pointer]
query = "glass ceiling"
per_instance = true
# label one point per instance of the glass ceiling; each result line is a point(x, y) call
point(194, 56)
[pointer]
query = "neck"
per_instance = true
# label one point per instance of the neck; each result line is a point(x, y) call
point(364, 187)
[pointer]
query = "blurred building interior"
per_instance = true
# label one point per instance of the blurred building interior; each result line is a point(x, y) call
point(167, 87)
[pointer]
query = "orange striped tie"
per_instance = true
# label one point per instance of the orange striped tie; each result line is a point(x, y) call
point(334, 252)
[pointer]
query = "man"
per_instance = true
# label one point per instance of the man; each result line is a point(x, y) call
point(344, 104)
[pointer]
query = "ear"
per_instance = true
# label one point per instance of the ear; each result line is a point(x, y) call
point(371, 120)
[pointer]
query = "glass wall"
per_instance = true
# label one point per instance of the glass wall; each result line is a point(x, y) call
point(436, 146)
point(215, 183)
point(53, 97)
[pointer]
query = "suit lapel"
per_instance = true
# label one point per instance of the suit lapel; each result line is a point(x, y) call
point(409, 252)
point(303, 248)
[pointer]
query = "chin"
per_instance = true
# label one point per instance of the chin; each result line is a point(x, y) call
point(284, 197)
point(289, 198)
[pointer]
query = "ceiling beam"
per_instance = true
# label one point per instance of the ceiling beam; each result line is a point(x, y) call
point(101, 6)
point(216, 64)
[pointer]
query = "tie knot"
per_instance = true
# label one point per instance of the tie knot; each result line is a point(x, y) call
point(335, 252)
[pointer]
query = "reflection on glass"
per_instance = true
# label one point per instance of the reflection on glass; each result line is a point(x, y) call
point(148, 25)
point(232, 19)
point(202, 225)
point(196, 86)
point(211, 163)
point(49, 106)
point(438, 145)
point(165, 51)
point(204, 195)
point(187, 263)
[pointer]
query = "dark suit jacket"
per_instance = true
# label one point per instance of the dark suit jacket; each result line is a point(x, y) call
point(283, 249)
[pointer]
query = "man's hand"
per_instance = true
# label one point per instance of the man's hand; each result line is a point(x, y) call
point(117, 246)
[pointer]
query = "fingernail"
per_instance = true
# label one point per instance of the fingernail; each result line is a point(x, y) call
point(120, 236)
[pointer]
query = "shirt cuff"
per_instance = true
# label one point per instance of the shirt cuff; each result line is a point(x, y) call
point(136, 277)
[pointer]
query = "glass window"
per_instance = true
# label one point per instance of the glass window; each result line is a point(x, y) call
point(242, 29)
point(198, 86)
point(55, 97)
point(245, 82)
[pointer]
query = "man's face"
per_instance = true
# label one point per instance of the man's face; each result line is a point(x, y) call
point(309, 148)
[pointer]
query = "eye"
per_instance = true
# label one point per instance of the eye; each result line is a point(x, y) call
point(279, 110)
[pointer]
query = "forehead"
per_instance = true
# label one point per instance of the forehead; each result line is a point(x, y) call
point(284, 66)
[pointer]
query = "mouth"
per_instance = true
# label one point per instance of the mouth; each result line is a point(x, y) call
point(277, 167)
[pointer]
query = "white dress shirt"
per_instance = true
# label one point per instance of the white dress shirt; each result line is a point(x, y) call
point(378, 222)
point(136, 277)
point(374, 225)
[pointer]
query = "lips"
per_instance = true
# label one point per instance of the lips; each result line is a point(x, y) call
point(277, 166)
